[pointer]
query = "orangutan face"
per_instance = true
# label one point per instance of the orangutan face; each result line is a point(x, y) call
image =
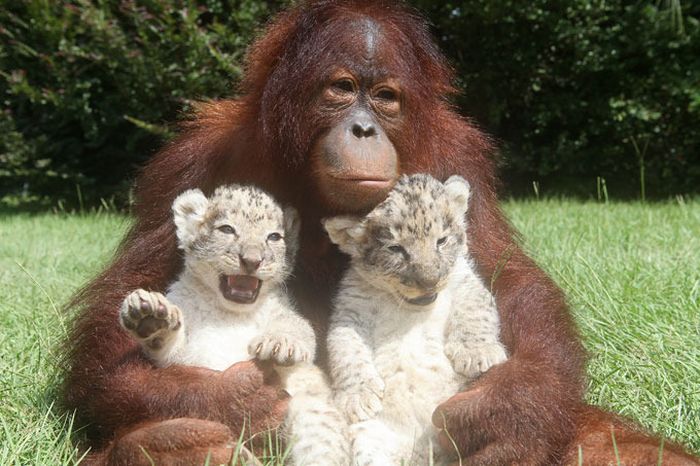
point(355, 161)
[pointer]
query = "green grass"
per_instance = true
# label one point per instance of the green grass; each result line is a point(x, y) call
point(632, 275)
point(630, 271)
point(43, 259)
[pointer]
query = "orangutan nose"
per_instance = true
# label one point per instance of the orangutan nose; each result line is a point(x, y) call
point(364, 129)
point(251, 261)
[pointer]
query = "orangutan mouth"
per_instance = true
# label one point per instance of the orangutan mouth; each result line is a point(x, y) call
point(367, 182)
point(422, 300)
point(242, 289)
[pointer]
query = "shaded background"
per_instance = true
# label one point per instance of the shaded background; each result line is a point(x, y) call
point(583, 96)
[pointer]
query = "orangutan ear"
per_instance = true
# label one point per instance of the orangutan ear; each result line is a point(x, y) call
point(347, 232)
point(188, 210)
point(292, 227)
point(458, 191)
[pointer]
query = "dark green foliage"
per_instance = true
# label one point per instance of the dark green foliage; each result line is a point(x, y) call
point(89, 86)
point(576, 89)
point(570, 88)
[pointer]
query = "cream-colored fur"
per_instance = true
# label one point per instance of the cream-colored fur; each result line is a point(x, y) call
point(196, 324)
point(394, 354)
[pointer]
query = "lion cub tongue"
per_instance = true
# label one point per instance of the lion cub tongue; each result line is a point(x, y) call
point(242, 289)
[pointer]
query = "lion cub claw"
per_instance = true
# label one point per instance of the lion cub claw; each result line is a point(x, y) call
point(281, 349)
point(149, 317)
point(471, 361)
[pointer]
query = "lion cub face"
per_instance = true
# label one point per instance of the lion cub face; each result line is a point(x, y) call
point(408, 244)
point(239, 242)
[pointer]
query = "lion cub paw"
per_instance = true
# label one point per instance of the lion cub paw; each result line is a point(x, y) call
point(473, 360)
point(281, 349)
point(363, 401)
point(150, 317)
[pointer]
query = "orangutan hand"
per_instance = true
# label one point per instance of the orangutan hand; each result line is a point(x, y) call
point(257, 400)
point(500, 419)
point(195, 412)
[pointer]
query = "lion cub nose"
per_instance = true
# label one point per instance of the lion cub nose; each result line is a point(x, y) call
point(251, 261)
point(427, 283)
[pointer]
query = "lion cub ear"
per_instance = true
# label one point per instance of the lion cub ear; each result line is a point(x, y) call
point(189, 209)
point(347, 232)
point(458, 191)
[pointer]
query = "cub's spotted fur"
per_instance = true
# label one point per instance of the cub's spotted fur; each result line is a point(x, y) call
point(412, 322)
point(229, 305)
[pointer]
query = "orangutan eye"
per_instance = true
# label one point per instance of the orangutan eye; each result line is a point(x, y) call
point(387, 94)
point(344, 85)
point(274, 237)
point(442, 241)
point(228, 229)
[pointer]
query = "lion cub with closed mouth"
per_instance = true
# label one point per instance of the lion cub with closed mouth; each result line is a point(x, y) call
point(412, 322)
point(230, 304)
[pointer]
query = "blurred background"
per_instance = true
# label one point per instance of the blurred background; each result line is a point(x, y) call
point(583, 96)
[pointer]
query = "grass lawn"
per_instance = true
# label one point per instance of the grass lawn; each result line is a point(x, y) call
point(631, 272)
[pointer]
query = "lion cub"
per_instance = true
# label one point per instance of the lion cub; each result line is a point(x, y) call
point(412, 323)
point(229, 304)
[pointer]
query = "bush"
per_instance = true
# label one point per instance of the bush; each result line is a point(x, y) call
point(90, 86)
point(583, 88)
point(573, 89)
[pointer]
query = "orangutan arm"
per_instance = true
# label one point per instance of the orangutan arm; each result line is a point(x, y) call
point(522, 410)
point(112, 385)
point(244, 396)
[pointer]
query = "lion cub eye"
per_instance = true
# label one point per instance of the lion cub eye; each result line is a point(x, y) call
point(442, 241)
point(274, 237)
point(398, 249)
point(228, 229)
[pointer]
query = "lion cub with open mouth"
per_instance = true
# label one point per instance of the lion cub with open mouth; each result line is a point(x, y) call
point(230, 304)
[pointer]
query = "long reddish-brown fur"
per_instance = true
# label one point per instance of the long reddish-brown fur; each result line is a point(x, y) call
point(526, 411)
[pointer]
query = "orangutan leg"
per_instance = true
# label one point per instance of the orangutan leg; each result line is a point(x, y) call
point(175, 442)
point(594, 444)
